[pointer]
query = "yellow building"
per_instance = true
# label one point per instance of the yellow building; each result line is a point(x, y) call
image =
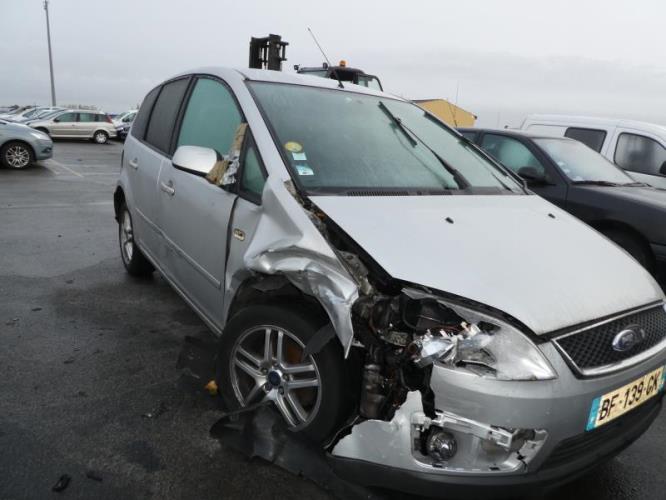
point(447, 112)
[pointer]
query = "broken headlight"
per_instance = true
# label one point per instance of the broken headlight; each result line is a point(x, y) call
point(478, 343)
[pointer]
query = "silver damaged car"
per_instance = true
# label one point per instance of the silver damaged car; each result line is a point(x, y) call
point(396, 294)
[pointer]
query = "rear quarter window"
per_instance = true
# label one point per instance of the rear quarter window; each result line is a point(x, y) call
point(164, 114)
point(141, 120)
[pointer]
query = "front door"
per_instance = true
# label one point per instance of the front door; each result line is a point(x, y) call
point(64, 125)
point(194, 214)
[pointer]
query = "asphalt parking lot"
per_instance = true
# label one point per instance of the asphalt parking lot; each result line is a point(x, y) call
point(102, 376)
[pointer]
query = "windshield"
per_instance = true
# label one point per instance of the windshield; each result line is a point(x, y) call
point(337, 141)
point(581, 164)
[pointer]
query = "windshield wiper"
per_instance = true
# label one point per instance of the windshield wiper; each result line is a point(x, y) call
point(596, 183)
point(398, 123)
point(636, 184)
point(409, 133)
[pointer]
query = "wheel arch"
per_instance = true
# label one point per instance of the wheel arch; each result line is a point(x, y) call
point(615, 225)
point(272, 290)
point(118, 200)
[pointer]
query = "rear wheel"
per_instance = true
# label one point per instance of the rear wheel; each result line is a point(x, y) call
point(261, 360)
point(634, 246)
point(135, 262)
point(100, 137)
point(17, 155)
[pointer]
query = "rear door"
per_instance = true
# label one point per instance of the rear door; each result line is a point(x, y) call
point(146, 150)
point(86, 125)
point(195, 214)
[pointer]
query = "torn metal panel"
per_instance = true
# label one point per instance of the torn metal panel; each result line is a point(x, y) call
point(286, 242)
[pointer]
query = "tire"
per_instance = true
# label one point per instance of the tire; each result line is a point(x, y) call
point(633, 246)
point(317, 410)
point(100, 137)
point(133, 260)
point(17, 155)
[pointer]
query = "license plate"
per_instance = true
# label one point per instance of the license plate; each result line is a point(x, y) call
point(616, 403)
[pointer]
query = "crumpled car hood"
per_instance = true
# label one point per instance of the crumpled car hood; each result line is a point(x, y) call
point(519, 254)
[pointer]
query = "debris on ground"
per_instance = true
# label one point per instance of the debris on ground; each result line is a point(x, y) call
point(12, 322)
point(35, 309)
point(211, 387)
point(161, 408)
point(69, 361)
point(62, 483)
point(94, 475)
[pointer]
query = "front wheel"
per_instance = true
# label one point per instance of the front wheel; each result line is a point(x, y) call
point(133, 260)
point(100, 137)
point(261, 360)
point(16, 155)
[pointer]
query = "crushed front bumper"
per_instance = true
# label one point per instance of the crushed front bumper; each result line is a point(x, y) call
point(560, 408)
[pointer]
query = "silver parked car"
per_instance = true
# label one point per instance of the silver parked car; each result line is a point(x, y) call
point(21, 146)
point(390, 289)
point(78, 124)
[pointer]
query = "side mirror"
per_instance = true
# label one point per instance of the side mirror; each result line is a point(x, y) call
point(195, 159)
point(533, 176)
point(57, 120)
point(662, 170)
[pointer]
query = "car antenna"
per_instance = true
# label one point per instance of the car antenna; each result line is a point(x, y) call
point(335, 71)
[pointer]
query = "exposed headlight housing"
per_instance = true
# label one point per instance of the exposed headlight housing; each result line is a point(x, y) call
point(480, 344)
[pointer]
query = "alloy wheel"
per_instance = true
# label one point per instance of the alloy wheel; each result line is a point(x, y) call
point(267, 365)
point(126, 237)
point(17, 156)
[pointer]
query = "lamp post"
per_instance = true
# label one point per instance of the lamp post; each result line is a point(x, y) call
point(48, 37)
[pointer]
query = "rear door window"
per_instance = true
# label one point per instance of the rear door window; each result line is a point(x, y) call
point(592, 138)
point(512, 153)
point(211, 117)
point(638, 153)
point(87, 117)
point(164, 115)
point(139, 125)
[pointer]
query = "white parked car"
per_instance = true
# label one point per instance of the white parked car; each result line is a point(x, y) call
point(637, 147)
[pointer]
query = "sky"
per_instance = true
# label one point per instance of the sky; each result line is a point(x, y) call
point(500, 60)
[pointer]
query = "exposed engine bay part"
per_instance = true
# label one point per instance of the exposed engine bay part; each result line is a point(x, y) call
point(413, 441)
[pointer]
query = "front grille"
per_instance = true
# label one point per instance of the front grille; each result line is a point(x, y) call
point(592, 348)
point(605, 440)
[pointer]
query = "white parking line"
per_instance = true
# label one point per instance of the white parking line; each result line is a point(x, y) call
point(58, 205)
point(58, 164)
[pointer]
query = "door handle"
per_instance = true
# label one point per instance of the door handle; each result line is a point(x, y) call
point(168, 188)
point(134, 163)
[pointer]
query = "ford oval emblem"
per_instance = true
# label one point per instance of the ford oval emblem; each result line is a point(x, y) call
point(628, 338)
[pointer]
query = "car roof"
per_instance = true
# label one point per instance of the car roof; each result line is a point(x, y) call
point(573, 120)
point(262, 75)
point(512, 132)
